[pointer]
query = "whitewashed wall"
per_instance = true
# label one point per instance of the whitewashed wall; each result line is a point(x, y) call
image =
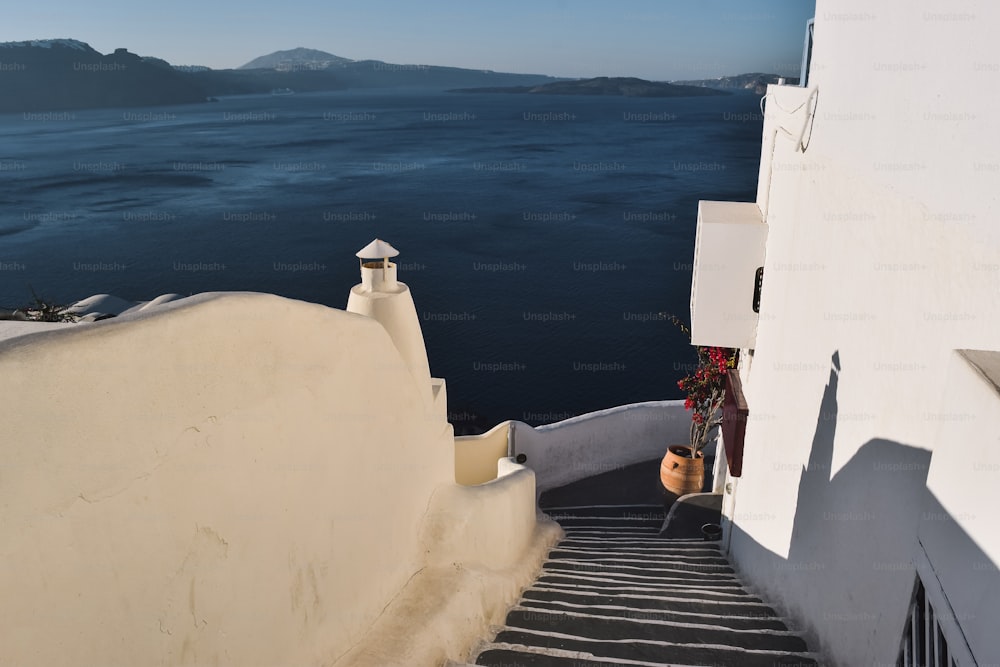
point(602, 441)
point(883, 249)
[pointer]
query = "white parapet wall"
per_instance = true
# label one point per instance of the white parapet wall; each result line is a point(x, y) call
point(458, 526)
point(476, 456)
point(484, 545)
point(602, 441)
point(241, 479)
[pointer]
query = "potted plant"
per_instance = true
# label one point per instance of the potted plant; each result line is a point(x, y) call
point(682, 470)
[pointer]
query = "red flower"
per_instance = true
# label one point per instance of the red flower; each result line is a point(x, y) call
point(704, 390)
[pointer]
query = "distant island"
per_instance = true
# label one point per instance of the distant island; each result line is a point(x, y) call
point(753, 81)
point(297, 59)
point(602, 85)
point(67, 74)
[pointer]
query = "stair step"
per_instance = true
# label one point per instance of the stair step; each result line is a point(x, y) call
point(508, 654)
point(591, 627)
point(637, 507)
point(636, 554)
point(583, 529)
point(744, 620)
point(574, 535)
point(701, 571)
point(616, 576)
point(686, 600)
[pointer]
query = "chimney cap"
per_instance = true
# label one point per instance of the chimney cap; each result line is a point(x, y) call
point(377, 248)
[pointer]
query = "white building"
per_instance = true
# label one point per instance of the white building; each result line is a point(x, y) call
point(872, 379)
point(243, 479)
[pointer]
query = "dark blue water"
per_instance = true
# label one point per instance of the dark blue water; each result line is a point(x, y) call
point(541, 236)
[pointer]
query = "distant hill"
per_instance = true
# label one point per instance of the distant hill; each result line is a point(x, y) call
point(622, 86)
point(308, 70)
point(64, 74)
point(755, 81)
point(296, 59)
point(304, 70)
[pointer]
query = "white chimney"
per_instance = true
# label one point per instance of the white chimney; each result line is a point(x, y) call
point(378, 276)
point(381, 297)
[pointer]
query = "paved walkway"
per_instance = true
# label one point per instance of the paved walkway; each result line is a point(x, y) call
point(614, 592)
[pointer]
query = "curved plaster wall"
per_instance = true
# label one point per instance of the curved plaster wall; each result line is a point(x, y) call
point(227, 480)
point(601, 441)
point(463, 519)
point(485, 544)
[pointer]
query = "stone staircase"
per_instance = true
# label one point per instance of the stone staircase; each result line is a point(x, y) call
point(614, 592)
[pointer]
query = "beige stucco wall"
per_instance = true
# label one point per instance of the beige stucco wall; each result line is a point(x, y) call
point(233, 479)
point(461, 518)
point(485, 545)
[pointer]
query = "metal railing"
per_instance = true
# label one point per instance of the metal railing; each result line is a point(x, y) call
point(924, 643)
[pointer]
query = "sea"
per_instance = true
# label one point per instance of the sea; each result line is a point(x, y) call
point(544, 238)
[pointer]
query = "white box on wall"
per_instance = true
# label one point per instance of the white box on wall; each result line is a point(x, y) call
point(728, 250)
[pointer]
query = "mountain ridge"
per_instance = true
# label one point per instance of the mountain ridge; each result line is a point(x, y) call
point(603, 85)
point(67, 74)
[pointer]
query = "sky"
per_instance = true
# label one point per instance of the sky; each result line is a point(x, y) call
point(653, 39)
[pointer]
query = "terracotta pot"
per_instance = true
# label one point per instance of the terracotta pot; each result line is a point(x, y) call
point(681, 474)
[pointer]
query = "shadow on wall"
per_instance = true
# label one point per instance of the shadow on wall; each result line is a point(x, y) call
point(850, 570)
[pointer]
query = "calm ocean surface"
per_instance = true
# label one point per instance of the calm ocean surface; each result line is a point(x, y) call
point(541, 236)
